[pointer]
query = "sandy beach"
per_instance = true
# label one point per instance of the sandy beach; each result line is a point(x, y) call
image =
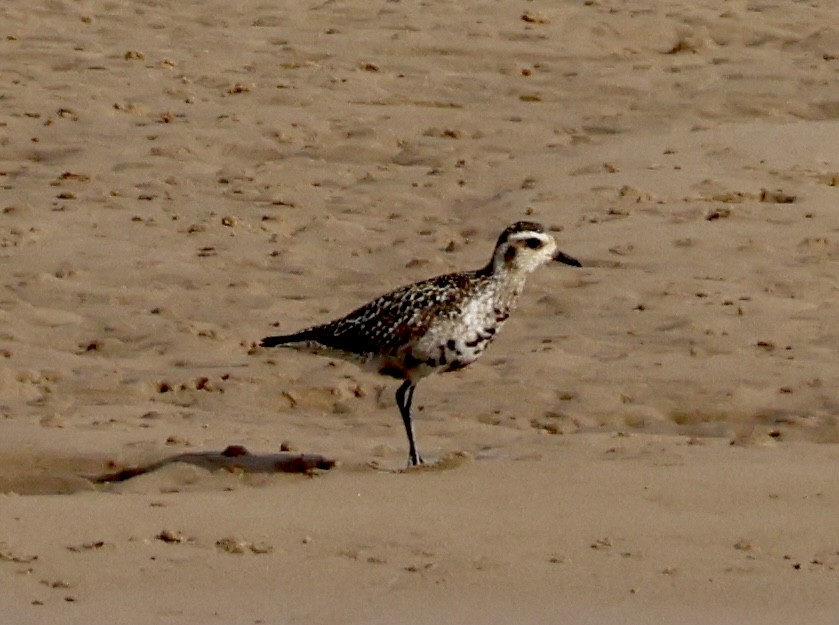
point(651, 439)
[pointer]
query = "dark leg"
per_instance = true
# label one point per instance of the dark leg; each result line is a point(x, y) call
point(404, 397)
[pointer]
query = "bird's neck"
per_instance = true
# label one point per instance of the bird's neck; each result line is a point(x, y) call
point(509, 283)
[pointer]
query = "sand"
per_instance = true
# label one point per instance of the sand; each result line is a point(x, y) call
point(651, 439)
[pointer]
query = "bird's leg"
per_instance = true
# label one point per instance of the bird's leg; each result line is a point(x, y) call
point(404, 397)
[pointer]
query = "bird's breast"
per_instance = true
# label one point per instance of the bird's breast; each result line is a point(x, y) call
point(459, 342)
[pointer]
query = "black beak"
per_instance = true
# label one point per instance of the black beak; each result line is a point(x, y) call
point(562, 257)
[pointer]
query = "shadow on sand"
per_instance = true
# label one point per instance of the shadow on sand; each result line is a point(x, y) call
point(233, 458)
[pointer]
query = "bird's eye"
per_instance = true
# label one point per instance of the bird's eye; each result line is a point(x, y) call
point(533, 243)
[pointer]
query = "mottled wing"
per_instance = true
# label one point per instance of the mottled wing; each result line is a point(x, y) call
point(391, 323)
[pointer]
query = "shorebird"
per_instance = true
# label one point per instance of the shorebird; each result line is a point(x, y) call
point(435, 325)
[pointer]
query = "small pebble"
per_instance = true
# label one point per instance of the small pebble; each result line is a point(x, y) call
point(168, 536)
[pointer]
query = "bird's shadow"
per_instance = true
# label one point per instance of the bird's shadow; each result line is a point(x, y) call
point(234, 458)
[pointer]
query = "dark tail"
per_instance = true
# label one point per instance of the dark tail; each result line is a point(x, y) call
point(284, 339)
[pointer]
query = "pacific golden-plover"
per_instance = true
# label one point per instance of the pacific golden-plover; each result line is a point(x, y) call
point(435, 325)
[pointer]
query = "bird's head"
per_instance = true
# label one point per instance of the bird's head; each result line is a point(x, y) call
point(525, 246)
